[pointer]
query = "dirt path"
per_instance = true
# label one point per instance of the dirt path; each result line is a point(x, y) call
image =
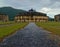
point(31, 36)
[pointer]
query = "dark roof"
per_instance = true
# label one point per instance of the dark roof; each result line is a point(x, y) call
point(32, 10)
point(32, 13)
point(58, 15)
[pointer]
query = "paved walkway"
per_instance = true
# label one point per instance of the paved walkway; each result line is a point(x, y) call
point(31, 36)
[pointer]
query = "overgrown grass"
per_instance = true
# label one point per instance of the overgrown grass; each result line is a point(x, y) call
point(54, 27)
point(7, 30)
point(9, 22)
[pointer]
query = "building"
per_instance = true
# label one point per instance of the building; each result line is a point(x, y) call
point(31, 16)
point(57, 17)
point(4, 17)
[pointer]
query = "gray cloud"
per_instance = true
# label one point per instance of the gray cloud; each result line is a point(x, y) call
point(36, 4)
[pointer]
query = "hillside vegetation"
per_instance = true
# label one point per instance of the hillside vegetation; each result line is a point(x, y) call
point(11, 12)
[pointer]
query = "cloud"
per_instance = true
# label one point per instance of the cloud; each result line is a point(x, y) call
point(50, 12)
point(45, 10)
point(37, 4)
point(51, 7)
point(1, 3)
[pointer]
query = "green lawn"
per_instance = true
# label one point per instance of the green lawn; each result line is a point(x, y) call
point(54, 27)
point(9, 22)
point(7, 30)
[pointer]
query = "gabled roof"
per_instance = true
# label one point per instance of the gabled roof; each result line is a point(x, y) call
point(57, 15)
point(32, 13)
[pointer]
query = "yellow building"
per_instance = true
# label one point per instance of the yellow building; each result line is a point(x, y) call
point(4, 17)
point(57, 17)
point(31, 16)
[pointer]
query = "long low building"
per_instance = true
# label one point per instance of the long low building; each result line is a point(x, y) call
point(57, 17)
point(4, 17)
point(31, 16)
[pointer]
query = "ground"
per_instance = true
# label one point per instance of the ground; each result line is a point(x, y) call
point(53, 27)
point(7, 29)
point(31, 36)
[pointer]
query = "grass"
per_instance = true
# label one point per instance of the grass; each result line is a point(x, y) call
point(7, 30)
point(9, 22)
point(54, 27)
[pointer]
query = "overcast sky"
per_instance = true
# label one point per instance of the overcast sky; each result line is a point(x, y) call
point(51, 7)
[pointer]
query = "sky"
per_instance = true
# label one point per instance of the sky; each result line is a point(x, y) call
point(50, 7)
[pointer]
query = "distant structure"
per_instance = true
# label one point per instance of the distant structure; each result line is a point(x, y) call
point(57, 17)
point(31, 16)
point(4, 17)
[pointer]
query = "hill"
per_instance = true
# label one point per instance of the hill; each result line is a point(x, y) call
point(11, 12)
